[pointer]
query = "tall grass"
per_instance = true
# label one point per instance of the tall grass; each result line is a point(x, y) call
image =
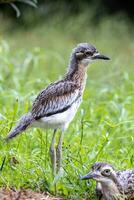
point(103, 128)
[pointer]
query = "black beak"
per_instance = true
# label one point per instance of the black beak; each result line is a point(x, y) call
point(99, 56)
point(90, 175)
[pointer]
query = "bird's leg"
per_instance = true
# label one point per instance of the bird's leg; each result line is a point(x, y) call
point(53, 153)
point(59, 151)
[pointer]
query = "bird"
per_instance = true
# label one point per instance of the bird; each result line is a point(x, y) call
point(56, 105)
point(112, 184)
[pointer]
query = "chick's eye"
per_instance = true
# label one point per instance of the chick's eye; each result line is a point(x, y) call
point(106, 172)
point(88, 53)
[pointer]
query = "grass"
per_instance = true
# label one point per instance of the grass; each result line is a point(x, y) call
point(103, 128)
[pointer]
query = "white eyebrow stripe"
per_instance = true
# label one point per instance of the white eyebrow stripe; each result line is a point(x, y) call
point(107, 167)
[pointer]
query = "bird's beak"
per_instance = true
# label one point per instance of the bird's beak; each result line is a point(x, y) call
point(90, 175)
point(99, 56)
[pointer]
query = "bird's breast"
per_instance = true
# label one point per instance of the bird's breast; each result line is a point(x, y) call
point(111, 192)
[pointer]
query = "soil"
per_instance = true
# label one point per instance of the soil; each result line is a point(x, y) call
point(11, 194)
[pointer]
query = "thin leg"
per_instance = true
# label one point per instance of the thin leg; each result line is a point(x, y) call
point(59, 151)
point(53, 153)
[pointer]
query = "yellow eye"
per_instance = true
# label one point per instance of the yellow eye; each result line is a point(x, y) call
point(106, 172)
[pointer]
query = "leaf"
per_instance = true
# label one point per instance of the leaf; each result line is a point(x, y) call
point(31, 3)
point(16, 9)
point(58, 176)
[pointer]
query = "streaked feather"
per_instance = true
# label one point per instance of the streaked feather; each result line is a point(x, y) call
point(56, 97)
point(126, 177)
point(22, 125)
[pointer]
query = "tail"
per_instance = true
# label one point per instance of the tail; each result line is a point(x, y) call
point(21, 126)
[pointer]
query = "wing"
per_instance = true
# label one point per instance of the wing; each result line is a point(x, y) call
point(130, 189)
point(56, 98)
point(127, 179)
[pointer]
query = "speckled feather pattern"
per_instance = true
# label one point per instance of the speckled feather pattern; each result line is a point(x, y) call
point(55, 98)
point(126, 178)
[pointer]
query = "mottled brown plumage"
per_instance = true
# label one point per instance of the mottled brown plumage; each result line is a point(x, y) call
point(56, 105)
point(56, 97)
point(111, 183)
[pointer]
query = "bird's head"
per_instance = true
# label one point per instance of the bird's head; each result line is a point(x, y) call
point(102, 172)
point(86, 53)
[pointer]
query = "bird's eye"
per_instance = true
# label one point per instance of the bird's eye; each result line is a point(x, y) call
point(88, 53)
point(106, 172)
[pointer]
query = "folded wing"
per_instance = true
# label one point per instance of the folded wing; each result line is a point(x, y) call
point(56, 98)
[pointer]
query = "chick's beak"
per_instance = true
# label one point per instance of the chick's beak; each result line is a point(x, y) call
point(90, 175)
point(100, 56)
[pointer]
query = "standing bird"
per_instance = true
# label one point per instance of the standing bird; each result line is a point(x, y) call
point(56, 105)
point(112, 184)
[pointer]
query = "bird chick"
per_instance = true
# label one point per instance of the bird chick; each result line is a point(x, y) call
point(112, 184)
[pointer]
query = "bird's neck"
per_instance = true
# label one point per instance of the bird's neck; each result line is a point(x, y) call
point(111, 191)
point(77, 73)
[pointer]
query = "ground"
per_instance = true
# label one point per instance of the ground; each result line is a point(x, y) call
point(12, 194)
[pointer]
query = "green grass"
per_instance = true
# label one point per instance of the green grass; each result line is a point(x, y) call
point(103, 128)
